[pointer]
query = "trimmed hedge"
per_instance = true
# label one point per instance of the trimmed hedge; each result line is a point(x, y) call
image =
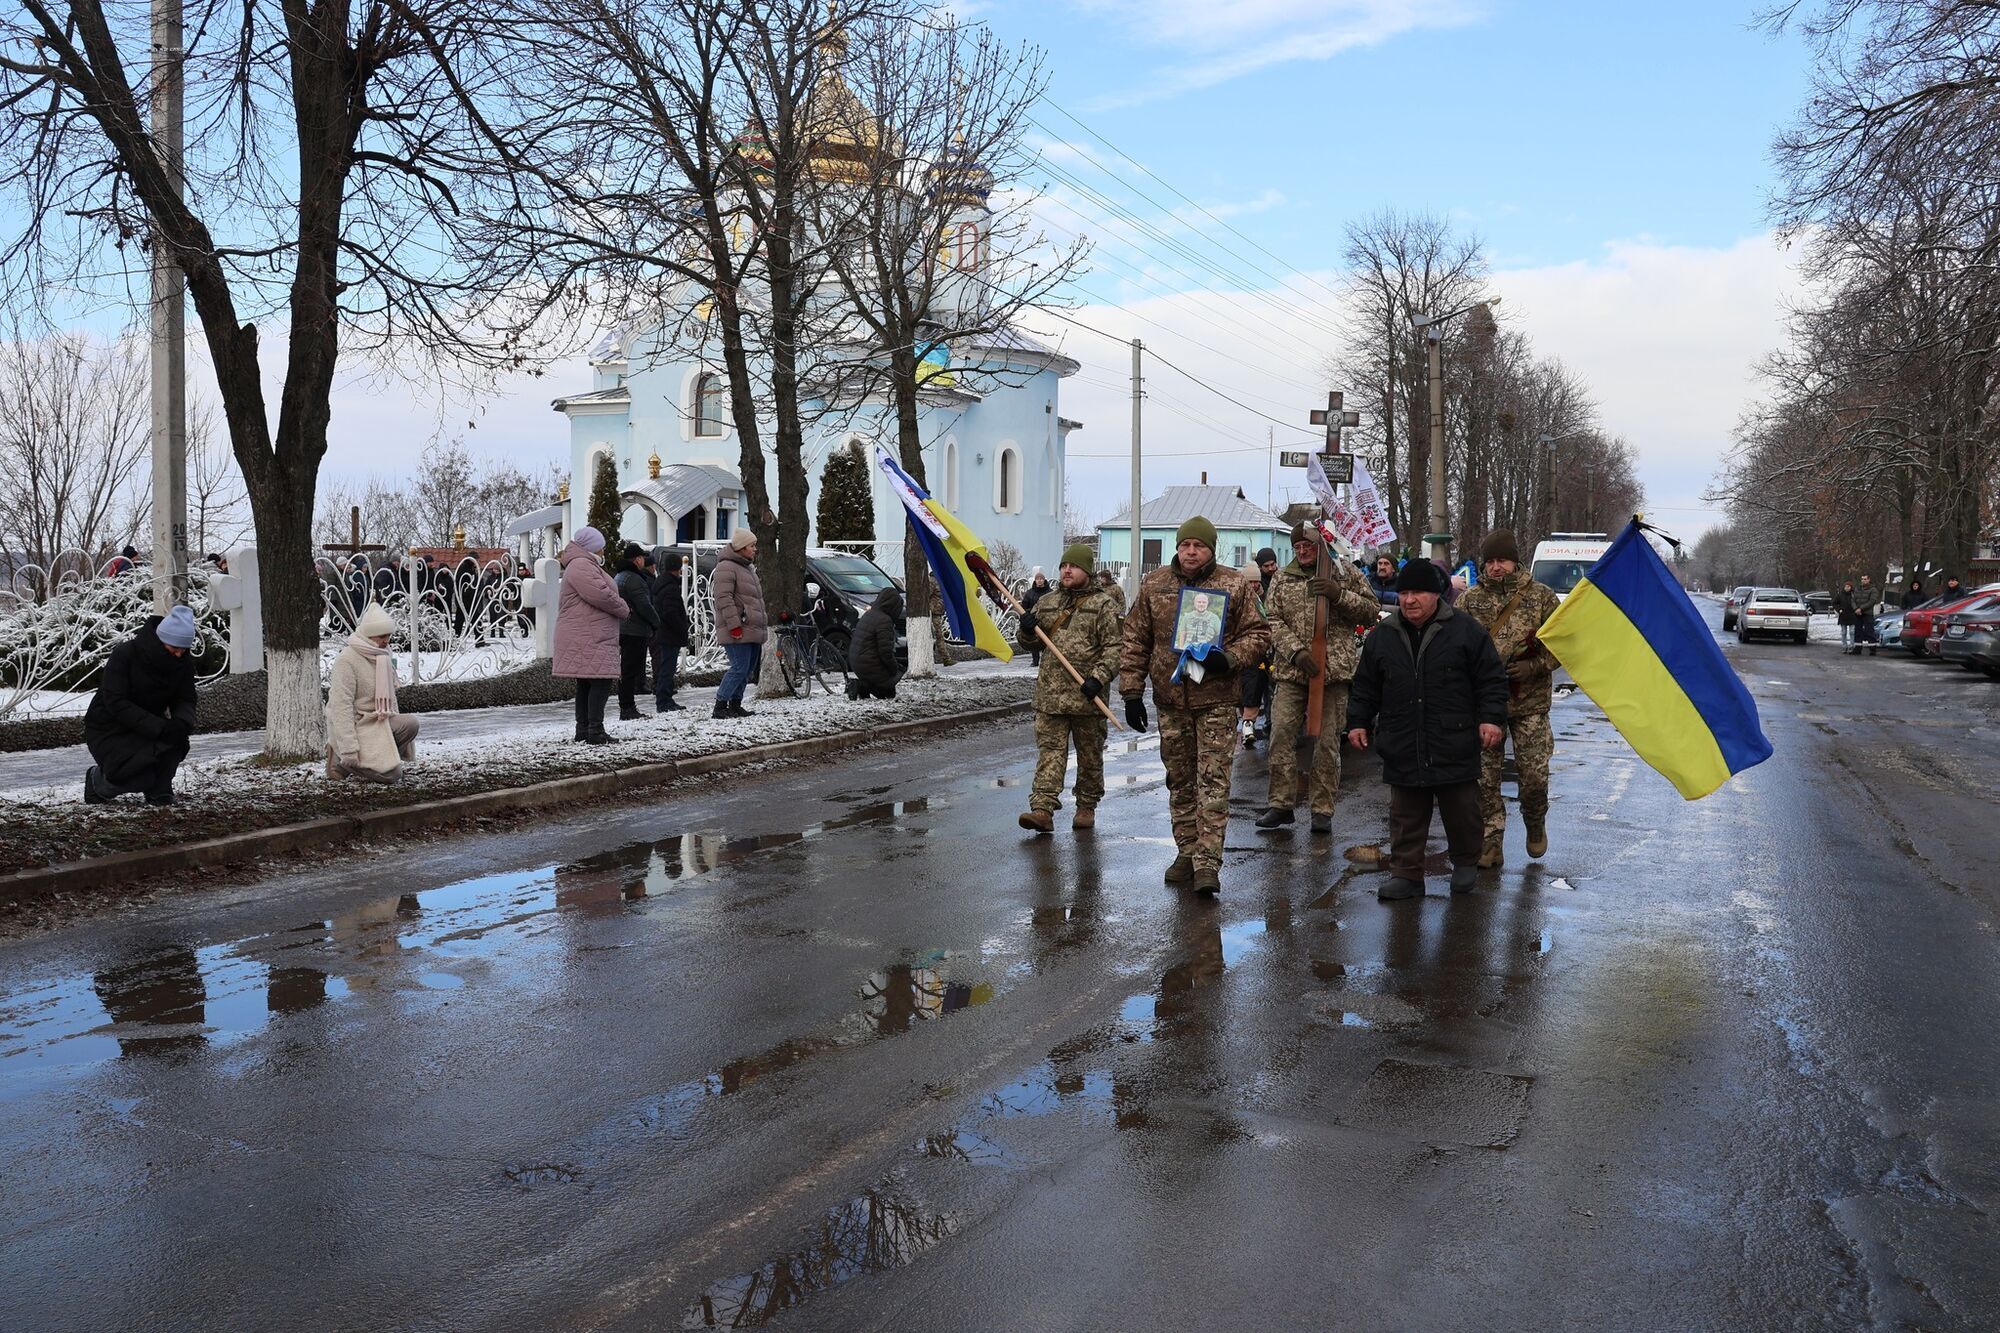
point(236, 703)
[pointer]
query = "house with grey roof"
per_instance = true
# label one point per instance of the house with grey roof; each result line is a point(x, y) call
point(1242, 527)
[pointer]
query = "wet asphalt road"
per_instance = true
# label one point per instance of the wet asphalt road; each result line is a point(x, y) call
point(844, 1049)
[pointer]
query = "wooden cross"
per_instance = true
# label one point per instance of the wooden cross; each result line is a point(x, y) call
point(354, 545)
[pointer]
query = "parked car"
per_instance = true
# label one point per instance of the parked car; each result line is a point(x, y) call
point(1920, 623)
point(848, 583)
point(1819, 603)
point(1889, 628)
point(1971, 637)
point(1773, 611)
point(1732, 603)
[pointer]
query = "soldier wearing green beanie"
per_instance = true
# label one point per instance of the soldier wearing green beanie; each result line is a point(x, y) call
point(1190, 614)
point(1080, 619)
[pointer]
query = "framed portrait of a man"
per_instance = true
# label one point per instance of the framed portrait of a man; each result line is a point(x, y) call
point(1199, 617)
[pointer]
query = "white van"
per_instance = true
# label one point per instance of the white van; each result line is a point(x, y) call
point(1564, 557)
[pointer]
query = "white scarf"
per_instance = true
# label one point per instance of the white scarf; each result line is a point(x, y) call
point(385, 672)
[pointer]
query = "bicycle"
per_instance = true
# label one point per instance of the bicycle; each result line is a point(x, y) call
point(799, 669)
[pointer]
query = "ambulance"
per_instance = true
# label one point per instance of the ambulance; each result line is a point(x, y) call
point(1563, 558)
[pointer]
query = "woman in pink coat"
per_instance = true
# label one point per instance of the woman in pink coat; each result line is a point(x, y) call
point(587, 616)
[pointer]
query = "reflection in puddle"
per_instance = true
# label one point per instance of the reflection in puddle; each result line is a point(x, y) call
point(872, 1233)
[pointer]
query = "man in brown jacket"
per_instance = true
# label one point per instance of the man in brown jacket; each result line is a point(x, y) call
point(1292, 608)
point(1190, 627)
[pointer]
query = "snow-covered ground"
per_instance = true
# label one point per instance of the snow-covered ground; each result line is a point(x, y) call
point(543, 749)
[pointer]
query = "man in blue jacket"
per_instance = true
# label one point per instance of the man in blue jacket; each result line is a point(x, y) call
point(1429, 694)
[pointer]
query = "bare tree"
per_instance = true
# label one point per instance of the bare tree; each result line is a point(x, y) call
point(929, 230)
point(335, 157)
point(74, 422)
point(218, 506)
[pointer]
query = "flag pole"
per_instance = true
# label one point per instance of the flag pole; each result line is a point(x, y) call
point(998, 592)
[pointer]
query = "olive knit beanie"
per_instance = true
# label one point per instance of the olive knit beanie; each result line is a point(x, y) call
point(1197, 529)
point(1499, 545)
point(1080, 556)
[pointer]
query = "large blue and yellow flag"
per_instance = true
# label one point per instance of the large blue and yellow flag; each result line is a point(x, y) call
point(1635, 644)
point(951, 550)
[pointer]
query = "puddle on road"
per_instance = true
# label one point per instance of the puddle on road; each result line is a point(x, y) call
point(871, 1233)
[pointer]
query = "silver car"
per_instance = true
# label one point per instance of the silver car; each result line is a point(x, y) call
point(1773, 611)
point(1972, 636)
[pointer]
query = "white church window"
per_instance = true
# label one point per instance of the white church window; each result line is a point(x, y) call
point(708, 406)
point(1007, 482)
point(950, 486)
point(968, 245)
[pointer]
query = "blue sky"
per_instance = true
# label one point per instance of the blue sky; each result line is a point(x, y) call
point(1614, 158)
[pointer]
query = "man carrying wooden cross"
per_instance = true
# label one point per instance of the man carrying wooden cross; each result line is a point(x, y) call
point(1306, 644)
point(1082, 623)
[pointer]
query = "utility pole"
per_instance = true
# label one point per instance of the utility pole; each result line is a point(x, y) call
point(1270, 467)
point(1138, 549)
point(1439, 536)
point(169, 327)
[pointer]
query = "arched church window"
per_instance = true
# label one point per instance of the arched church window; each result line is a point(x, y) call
point(1007, 482)
point(708, 406)
point(968, 245)
point(951, 474)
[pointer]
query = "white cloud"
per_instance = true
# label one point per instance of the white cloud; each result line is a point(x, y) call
point(1666, 337)
point(1222, 40)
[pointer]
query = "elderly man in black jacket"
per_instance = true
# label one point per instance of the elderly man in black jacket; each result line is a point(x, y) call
point(140, 719)
point(871, 656)
point(1430, 693)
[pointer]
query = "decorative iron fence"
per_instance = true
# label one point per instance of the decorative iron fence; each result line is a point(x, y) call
point(60, 620)
point(452, 621)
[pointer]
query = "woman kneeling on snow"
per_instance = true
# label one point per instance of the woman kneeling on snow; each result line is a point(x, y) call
point(366, 736)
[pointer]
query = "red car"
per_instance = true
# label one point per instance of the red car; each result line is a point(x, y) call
point(1920, 623)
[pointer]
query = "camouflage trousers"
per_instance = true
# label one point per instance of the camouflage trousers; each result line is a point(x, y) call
point(1534, 743)
point(1053, 734)
point(1198, 747)
point(1288, 719)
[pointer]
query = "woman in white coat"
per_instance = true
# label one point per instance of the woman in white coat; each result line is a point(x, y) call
point(366, 737)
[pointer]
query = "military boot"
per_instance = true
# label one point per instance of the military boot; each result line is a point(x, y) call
point(1276, 817)
point(1182, 869)
point(1538, 835)
point(1491, 857)
point(1038, 821)
point(1086, 817)
point(1398, 888)
point(1322, 824)
point(1207, 879)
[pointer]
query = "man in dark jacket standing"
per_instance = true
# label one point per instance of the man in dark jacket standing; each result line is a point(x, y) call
point(636, 630)
point(871, 654)
point(1430, 692)
point(140, 719)
point(673, 634)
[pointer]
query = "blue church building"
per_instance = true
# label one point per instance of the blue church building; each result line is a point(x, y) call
point(994, 437)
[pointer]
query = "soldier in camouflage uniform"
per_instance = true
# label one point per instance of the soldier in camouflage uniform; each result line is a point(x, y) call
point(1197, 718)
point(1079, 618)
point(1512, 607)
point(1292, 607)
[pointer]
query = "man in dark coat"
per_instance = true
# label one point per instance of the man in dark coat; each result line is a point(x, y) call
point(871, 656)
point(636, 630)
point(673, 633)
point(140, 719)
point(1430, 692)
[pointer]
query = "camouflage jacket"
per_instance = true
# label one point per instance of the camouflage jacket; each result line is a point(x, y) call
point(1085, 626)
point(1149, 637)
point(1291, 608)
point(1516, 638)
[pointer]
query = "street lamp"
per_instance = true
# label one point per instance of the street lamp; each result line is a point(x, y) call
point(1432, 328)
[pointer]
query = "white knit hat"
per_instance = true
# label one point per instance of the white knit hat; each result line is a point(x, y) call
point(374, 620)
point(742, 539)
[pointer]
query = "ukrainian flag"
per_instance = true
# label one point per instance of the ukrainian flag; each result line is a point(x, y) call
point(947, 544)
point(1635, 644)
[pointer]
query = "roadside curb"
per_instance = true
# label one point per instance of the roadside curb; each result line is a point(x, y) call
point(120, 867)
